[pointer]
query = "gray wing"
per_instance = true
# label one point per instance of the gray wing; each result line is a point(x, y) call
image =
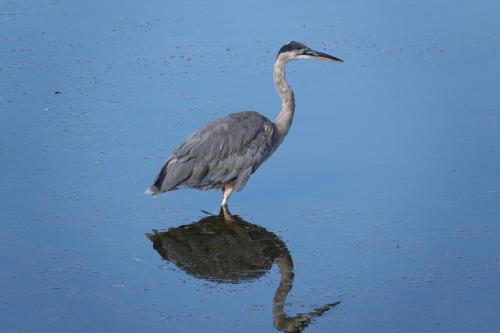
point(228, 149)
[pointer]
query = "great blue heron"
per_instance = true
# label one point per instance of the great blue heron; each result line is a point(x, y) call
point(224, 153)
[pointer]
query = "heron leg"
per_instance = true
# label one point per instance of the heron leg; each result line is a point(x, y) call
point(227, 191)
point(226, 214)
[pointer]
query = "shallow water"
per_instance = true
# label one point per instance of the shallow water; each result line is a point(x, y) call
point(385, 195)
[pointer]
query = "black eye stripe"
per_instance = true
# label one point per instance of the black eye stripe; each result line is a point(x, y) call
point(292, 46)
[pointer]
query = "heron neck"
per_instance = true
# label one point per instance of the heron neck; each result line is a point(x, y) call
point(286, 282)
point(284, 119)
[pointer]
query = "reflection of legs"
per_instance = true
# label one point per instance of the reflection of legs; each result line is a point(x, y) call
point(227, 190)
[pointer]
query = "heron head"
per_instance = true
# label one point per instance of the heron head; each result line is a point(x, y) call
point(295, 50)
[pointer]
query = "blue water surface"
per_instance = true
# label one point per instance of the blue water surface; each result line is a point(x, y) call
point(385, 194)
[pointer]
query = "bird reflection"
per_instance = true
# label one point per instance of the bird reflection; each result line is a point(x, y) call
point(225, 248)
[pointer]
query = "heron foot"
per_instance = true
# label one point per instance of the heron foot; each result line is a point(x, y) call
point(226, 214)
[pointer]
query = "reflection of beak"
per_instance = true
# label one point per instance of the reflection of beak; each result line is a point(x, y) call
point(321, 56)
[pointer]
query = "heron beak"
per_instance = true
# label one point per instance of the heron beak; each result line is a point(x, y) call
point(322, 56)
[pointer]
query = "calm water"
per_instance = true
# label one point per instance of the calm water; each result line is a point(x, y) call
point(385, 196)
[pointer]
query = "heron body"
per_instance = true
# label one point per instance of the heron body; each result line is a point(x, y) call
point(226, 152)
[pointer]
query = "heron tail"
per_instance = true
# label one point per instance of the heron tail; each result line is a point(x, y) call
point(152, 191)
point(171, 175)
